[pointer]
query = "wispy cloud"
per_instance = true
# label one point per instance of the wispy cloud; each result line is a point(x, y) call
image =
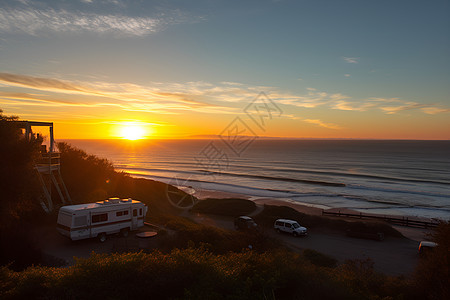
point(36, 21)
point(198, 96)
point(40, 83)
point(351, 60)
point(167, 98)
point(322, 124)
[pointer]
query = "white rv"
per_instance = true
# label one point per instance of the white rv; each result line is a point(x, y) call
point(99, 219)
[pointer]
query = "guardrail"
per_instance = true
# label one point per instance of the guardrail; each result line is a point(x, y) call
point(403, 221)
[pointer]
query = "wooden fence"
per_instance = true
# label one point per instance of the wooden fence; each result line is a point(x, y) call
point(403, 221)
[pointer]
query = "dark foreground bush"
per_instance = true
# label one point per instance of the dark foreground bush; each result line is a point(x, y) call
point(319, 259)
point(232, 207)
point(192, 274)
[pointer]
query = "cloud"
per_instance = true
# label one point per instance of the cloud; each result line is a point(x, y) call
point(351, 60)
point(167, 98)
point(40, 83)
point(434, 110)
point(197, 96)
point(322, 124)
point(36, 21)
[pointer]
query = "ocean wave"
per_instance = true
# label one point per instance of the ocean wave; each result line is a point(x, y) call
point(326, 183)
point(387, 179)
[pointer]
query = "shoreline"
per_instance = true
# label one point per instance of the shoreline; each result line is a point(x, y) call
point(314, 209)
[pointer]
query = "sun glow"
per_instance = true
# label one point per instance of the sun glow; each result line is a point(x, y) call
point(133, 131)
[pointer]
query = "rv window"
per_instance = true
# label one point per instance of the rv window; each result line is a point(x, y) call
point(140, 211)
point(80, 221)
point(134, 212)
point(122, 213)
point(99, 218)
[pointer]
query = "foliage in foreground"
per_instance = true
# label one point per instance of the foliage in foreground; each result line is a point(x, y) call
point(199, 274)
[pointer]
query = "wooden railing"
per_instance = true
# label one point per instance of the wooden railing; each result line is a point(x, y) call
point(403, 221)
point(49, 161)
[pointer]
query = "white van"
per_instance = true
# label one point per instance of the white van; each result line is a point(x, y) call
point(290, 226)
point(99, 219)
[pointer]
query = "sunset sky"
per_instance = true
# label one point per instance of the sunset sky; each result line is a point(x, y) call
point(329, 69)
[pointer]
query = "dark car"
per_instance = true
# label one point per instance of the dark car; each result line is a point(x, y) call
point(244, 223)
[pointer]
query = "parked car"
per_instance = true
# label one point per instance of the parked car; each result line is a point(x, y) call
point(244, 223)
point(425, 247)
point(290, 226)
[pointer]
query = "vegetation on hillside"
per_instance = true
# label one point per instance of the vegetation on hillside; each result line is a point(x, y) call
point(200, 274)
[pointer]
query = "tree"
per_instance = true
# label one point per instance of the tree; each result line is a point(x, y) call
point(87, 177)
point(20, 190)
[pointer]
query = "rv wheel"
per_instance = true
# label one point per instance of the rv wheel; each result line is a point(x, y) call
point(125, 232)
point(102, 237)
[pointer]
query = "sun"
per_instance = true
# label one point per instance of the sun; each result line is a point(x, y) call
point(132, 131)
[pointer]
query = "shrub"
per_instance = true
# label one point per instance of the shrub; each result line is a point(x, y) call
point(319, 259)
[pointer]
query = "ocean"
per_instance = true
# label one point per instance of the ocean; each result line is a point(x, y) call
point(408, 178)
